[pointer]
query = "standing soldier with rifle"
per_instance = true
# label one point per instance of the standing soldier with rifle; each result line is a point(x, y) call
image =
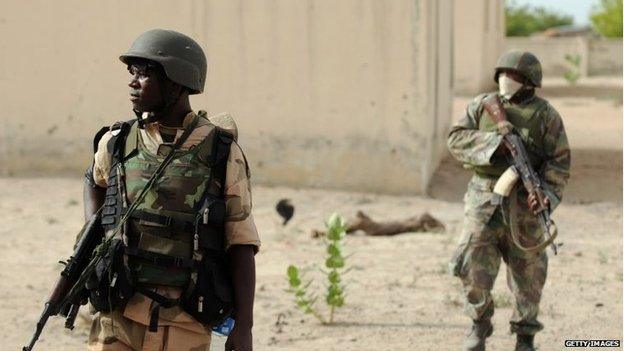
point(515, 143)
point(171, 191)
point(189, 242)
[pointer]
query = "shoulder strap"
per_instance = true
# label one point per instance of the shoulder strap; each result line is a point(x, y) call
point(223, 121)
point(130, 146)
point(98, 137)
point(122, 143)
point(492, 105)
point(222, 143)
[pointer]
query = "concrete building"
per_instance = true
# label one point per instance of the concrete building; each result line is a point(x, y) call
point(352, 94)
point(479, 27)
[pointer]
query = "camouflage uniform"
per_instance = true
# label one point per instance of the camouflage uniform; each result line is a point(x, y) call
point(126, 329)
point(165, 222)
point(485, 237)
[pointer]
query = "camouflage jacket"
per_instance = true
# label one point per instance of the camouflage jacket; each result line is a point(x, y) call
point(474, 139)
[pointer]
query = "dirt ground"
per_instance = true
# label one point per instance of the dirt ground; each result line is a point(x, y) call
point(399, 293)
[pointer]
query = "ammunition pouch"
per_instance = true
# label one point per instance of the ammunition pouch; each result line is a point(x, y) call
point(209, 297)
point(110, 285)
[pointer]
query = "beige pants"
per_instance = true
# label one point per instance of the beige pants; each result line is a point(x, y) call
point(114, 332)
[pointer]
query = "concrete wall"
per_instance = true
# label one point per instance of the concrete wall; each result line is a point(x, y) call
point(479, 31)
point(440, 79)
point(605, 57)
point(598, 56)
point(344, 94)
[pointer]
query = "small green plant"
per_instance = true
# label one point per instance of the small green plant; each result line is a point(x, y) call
point(574, 73)
point(304, 301)
point(335, 263)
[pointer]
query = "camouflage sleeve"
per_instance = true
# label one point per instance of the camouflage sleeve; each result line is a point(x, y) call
point(102, 161)
point(240, 228)
point(467, 143)
point(556, 168)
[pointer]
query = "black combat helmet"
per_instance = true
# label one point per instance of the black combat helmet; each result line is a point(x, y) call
point(181, 57)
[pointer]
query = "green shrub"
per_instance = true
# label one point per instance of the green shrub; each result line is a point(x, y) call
point(574, 73)
point(522, 21)
point(606, 18)
point(335, 263)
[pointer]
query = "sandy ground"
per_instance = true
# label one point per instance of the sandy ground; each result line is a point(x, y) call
point(399, 294)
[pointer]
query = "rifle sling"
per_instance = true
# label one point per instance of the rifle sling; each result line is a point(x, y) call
point(493, 106)
point(549, 237)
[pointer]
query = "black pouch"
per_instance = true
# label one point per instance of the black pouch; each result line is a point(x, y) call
point(110, 285)
point(211, 299)
point(212, 211)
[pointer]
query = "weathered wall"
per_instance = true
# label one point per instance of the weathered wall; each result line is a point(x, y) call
point(598, 56)
point(326, 93)
point(605, 57)
point(440, 80)
point(479, 32)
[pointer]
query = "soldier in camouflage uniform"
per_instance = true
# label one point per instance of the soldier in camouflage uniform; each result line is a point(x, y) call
point(165, 68)
point(476, 141)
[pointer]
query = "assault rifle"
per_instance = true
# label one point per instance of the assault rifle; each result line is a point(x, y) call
point(521, 169)
point(59, 302)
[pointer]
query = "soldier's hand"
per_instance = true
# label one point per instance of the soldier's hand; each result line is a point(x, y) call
point(504, 127)
point(533, 203)
point(240, 339)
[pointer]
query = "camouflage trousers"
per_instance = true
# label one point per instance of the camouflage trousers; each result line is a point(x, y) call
point(483, 243)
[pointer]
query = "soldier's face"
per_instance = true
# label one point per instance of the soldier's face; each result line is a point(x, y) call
point(145, 88)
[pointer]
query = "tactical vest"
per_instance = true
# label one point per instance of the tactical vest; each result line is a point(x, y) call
point(160, 235)
point(530, 127)
point(180, 220)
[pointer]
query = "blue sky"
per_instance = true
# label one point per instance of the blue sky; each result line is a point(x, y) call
point(578, 8)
